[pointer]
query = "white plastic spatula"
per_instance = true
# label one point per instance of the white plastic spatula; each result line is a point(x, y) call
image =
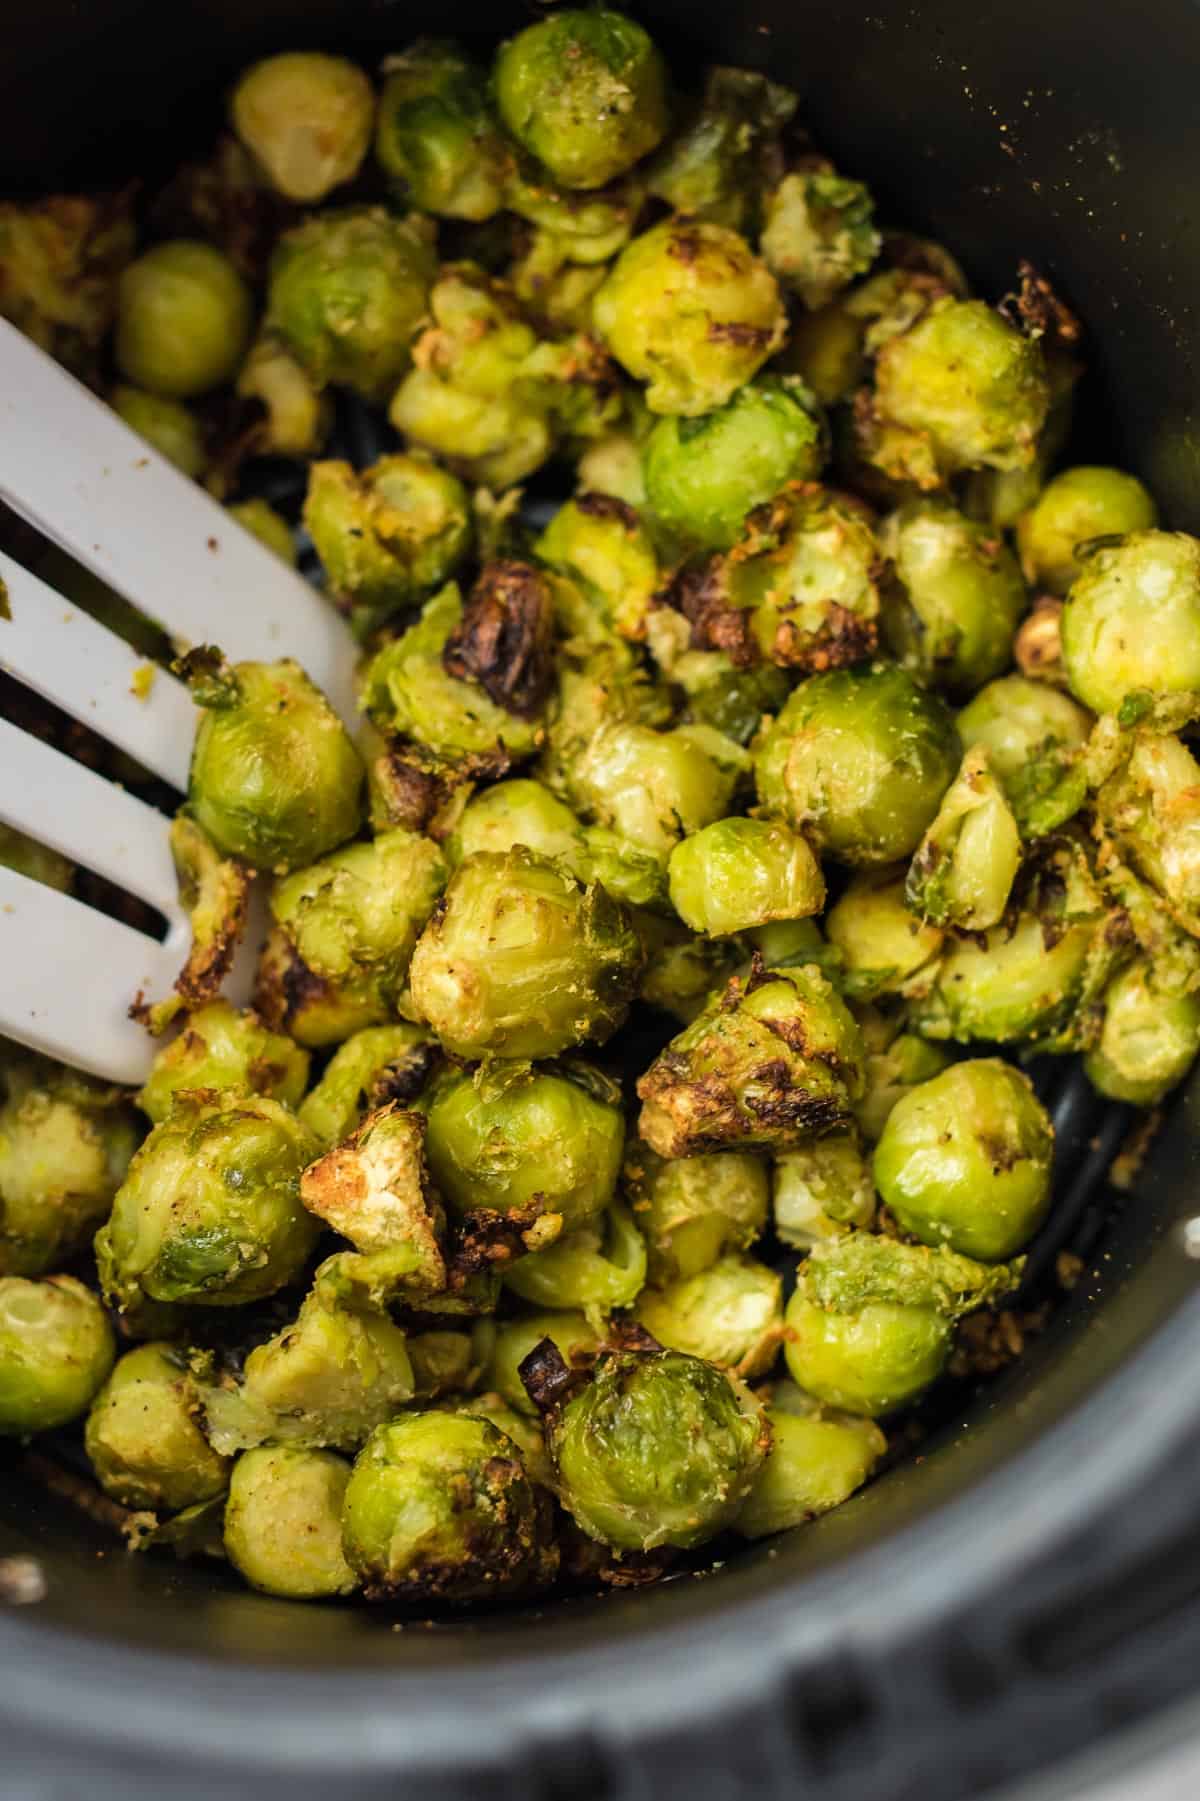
point(73, 469)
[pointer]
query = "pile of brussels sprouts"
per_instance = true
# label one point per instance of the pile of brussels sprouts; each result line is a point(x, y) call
point(618, 1134)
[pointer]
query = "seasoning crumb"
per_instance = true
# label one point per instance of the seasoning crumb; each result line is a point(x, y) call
point(1067, 1270)
point(1123, 1170)
point(22, 1581)
point(142, 680)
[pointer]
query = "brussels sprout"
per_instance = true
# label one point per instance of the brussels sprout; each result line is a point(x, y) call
point(814, 1464)
point(740, 873)
point(408, 688)
point(1078, 505)
point(583, 92)
point(558, 293)
point(818, 233)
point(774, 1061)
point(681, 970)
point(959, 597)
point(387, 535)
point(869, 1326)
point(690, 310)
point(380, 1064)
point(283, 1523)
point(56, 1348)
point(435, 139)
point(1033, 736)
point(652, 788)
point(511, 1134)
point(183, 319)
point(328, 1379)
point(896, 1062)
point(260, 519)
point(344, 933)
point(1007, 986)
point(65, 1145)
point(59, 262)
point(584, 228)
point(1149, 1038)
point(37, 861)
point(789, 943)
point(1131, 622)
point(439, 1507)
point(306, 119)
point(210, 1210)
point(1150, 807)
point(606, 686)
point(168, 424)
point(704, 475)
point(513, 1339)
point(883, 946)
point(822, 1190)
point(691, 1210)
point(443, 1362)
point(596, 1268)
point(228, 1052)
point(274, 777)
point(731, 1314)
point(964, 1160)
point(525, 1433)
point(214, 892)
point(600, 543)
point(520, 811)
point(959, 389)
point(521, 960)
point(145, 1448)
point(296, 415)
point(825, 349)
point(613, 465)
point(859, 760)
point(348, 291)
point(375, 1191)
point(709, 169)
point(964, 867)
point(660, 1448)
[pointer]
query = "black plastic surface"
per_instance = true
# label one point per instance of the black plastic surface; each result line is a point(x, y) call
point(1031, 1582)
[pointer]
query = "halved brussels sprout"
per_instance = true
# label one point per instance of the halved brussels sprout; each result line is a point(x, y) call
point(306, 119)
point(283, 1522)
point(884, 947)
point(1150, 807)
point(964, 868)
point(816, 1461)
point(653, 788)
point(56, 1348)
point(296, 413)
point(691, 1210)
point(374, 1189)
point(520, 811)
point(1149, 1038)
point(731, 1314)
point(601, 543)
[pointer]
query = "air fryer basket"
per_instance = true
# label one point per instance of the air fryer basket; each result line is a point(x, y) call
point(1033, 1581)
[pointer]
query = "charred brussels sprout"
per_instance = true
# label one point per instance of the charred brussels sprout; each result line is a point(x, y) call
point(521, 960)
point(65, 1145)
point(691, 311)
point(600, 543)
point(210, 1210)
point(520, 811)
point(1033, 736)
point(596, 1269)
point(583, 92)
point(513, 1339)
point(870, 1323)
point(274, 777)
point(348, 291)
point(56, 1348)
point(659, 1449)
point(436, 140)
point(731, 1314)
point(1148, 1040)
point(387, 535)
point(703, 475)
point(691, 1210)
point(231, 1052)
point(816, 1462)
point(283, 1523)
point(1078, 505)
point(965, 1160)
point(774, 1061)
point(884, 947)
point(740, 873)
point(512, 1134)
point(439, 1508)
point(145, 1447)
point(959, 597)
point(822, 1191)
point(380, 1064)
point(965, 866)
point(1131, 623)
point(818, 234)
point(306, 119)
point(183, 319)
point(859, 760)
point(169, 425)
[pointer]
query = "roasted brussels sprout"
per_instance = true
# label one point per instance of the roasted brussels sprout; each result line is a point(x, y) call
point(1131, 623)
point(1033, 736)
point(859, 760)
point(306, 119)
point(739, 873)
point(681, 969)
point(56, 1348)
point(374, 1190)
point(652, 788)
point(964, 867)
point(772, 1062)
point(964, 1160)
point(816, 1462)
point(520, 811)
point(818, 233)
point(883, 946)
point(348, 292)
point(59, 262)
point(692, 312)
point(896, 1061)
point(228, 1052)
point(710, 168)
point(691, 1210)
point(521, 960)
point(704, 475)
point(283, 1522)
point(65, 1145)
point(594, 1269)
point(511, 1341)
point(439, 1507)
point(260, 519)
point(513, 1133)
point(387, 535)
point(210, 1210)
point(380, 1064)
point(1150, 807)
point(731, 1314)
point(183, 319)
point(660, 1448)
point(600, 543)
point(435, 139)
point(169, 425)
point(1148, 1040)
point(958, 600)
point(274, 777)
point(146, 1449)
point(1080, 504)
point(295, 412)
point(822, 1191)
point(583, 92)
